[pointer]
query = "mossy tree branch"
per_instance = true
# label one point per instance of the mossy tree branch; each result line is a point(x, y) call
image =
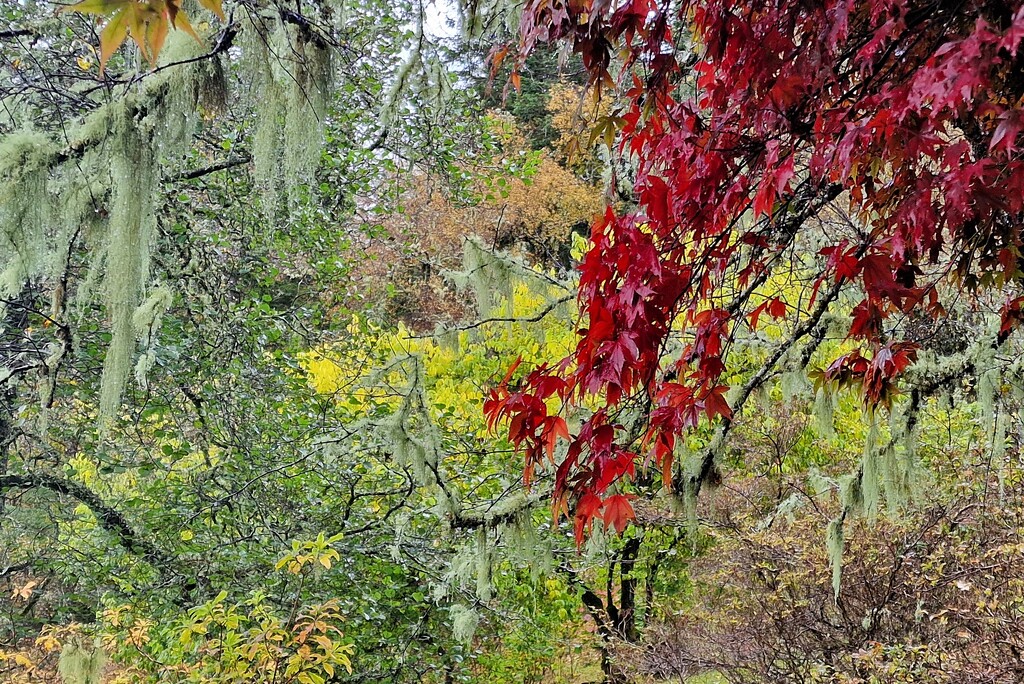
point(109, 518)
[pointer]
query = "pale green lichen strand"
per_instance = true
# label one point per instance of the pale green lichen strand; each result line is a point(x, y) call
point(870, 485)
point(834, 543)
point(292, 83)
point(79, 664)
point(465, 621)
point(132, 221)
point(25, 208)
point(824, 413)
point(146, 321)
point(310, 84)
point(259, 47)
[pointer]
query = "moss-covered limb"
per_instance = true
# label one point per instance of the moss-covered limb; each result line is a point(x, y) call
point(507, 511)
point(691, 484)
point(811, 200)
point(151, 93)
point(93, 132)
point(108, 517)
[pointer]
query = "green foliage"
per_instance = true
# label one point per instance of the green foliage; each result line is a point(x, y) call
point(293, 486)
point(245, 642)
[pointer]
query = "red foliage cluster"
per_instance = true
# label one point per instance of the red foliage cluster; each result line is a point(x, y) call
point(911, 109)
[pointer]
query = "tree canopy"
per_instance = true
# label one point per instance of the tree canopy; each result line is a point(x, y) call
point(745, 122)
point(547, 343)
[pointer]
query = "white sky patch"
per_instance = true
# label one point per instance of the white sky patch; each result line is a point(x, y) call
point(440, 19)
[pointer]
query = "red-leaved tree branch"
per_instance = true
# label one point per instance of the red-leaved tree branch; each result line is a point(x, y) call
point(908, 114)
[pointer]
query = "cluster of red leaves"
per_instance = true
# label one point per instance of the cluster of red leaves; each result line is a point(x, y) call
point(913, 109)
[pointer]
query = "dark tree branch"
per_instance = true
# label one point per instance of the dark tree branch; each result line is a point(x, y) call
point(245, 158)
point(694, 482)
point(16, 33)
point(109, 518)
point(17, 567)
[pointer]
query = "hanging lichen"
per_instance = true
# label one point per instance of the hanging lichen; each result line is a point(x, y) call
point(481, 18)
point(414, 440)
point(870, 487)
point(794, 383)
point(834, 543)
point(490, 277)
point(146, 322)
point(524, 545)
point(400, 81)
point(998, 450)
point(258, 47)
point(988, 383)
point(25, 208)
point(902, 469)
point(483, 567)
point(81, 664)
point(292, 84)
point(306, 106)
point(114, 154)
point(132, 221)
point(824, 413)
point(465, 621)
point(851, 494)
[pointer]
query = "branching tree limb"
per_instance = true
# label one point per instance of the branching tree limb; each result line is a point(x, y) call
point(109, 518)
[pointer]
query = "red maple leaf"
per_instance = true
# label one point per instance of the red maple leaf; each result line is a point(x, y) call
point(618, 512)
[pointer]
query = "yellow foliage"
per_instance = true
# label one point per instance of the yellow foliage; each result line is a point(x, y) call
point(456, 371)
point(147, 23)
point(544, 211)
point(310, 555)
point(250, 643)
point(576, 115)
point(534, 207)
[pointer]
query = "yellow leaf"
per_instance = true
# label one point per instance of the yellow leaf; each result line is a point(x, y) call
point(24, 591)
point(142, 21)
point(84, 63)
point(146, 22)
point(48, 643)
point(186, 535)
point(214, 6)
point(96, 6)
point(181, 23)
point(325, 561)
point(113, 34)
point(155, 34)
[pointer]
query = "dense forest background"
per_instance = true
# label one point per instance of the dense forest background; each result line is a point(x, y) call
point(267, 270)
